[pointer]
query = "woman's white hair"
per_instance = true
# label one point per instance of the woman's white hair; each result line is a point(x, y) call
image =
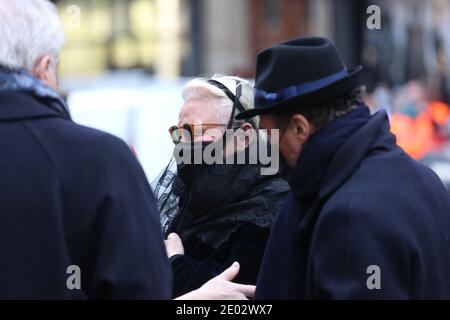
point(199, 88)
point(29, 29)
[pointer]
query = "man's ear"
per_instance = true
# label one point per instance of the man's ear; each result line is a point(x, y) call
point(247, 128)
point(42, 70)
point(301, 128)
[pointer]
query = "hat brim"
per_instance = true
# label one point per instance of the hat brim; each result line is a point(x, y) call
point(322, 95)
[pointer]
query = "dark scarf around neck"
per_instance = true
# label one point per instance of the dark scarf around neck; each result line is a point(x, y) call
point(20, 80)
point(223, 197)
point(318, 152)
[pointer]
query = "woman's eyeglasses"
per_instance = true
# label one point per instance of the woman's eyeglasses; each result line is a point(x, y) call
point(188, 131)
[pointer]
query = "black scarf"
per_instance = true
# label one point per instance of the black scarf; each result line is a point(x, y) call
point(222, 197)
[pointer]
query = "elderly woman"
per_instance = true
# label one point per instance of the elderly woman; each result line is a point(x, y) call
point(215, 214)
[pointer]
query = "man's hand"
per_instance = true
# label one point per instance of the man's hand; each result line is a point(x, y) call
point(221, 288)
point(173, 245)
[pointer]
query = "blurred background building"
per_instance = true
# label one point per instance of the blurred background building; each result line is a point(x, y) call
point(173, 38)
point(125, 61)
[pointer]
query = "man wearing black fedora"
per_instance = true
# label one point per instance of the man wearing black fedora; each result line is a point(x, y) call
point(363, 220)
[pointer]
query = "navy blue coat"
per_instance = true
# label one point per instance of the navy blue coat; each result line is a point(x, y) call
point(71, 195)
point(376, 207)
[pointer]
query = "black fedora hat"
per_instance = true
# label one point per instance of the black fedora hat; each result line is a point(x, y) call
point(299, 73)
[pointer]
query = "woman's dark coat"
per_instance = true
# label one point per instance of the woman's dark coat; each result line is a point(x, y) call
point(225, 216)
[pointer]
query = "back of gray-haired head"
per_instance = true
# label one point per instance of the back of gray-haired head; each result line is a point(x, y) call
point(29, 29)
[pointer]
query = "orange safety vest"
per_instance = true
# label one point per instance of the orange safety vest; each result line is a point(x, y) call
point(415, 136)
point(439, 112)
